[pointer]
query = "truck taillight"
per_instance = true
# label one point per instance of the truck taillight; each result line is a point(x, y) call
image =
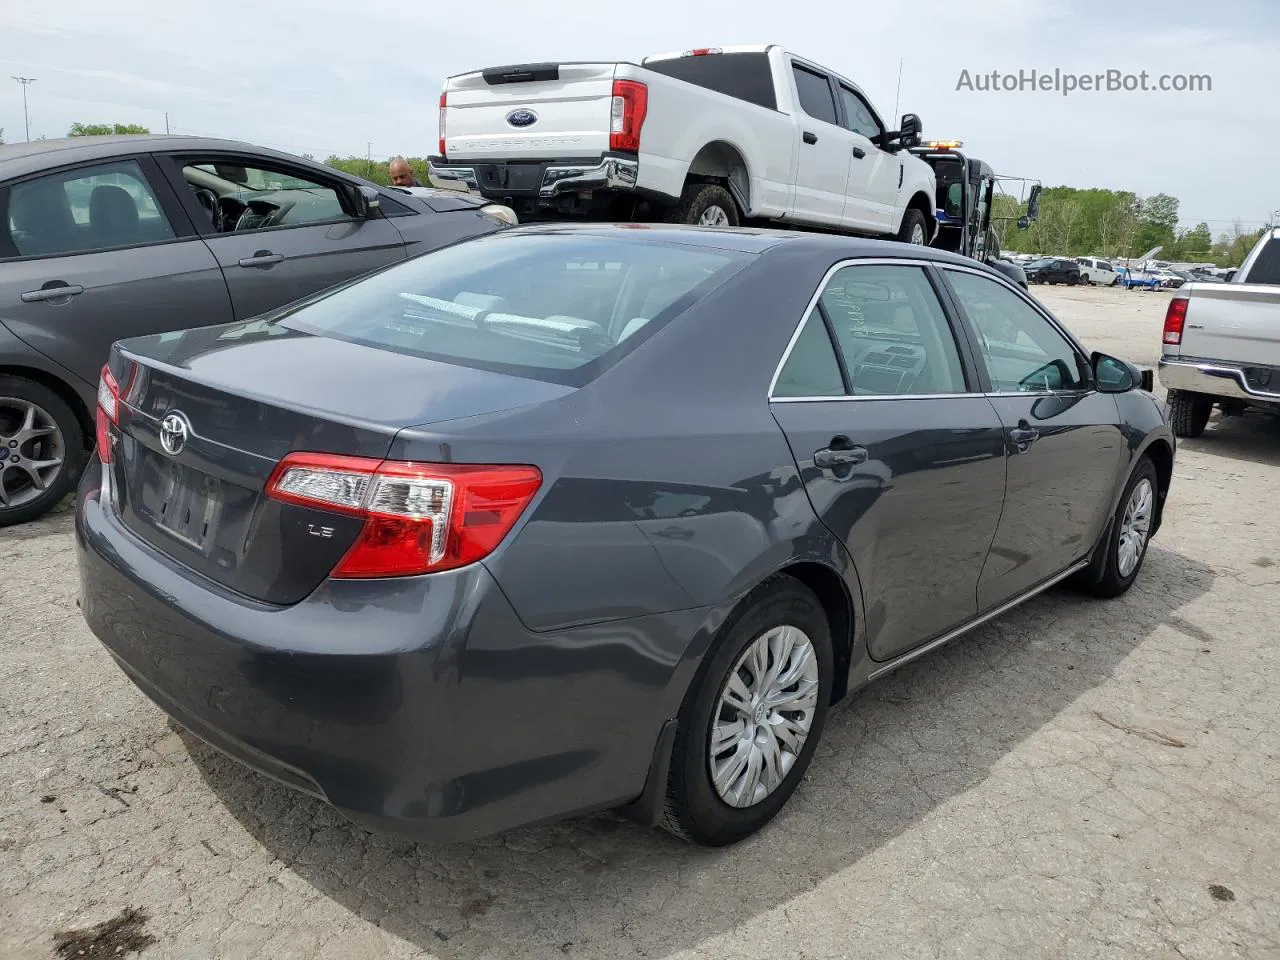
point(107, 414)
point(444, 102)
point(1175, 318)
point(627, 113)
point(702, 51)
point(418, 517)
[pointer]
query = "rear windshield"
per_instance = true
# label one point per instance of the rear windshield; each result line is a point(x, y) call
point(561, 307)
point(1266, 269)
point(747, 76)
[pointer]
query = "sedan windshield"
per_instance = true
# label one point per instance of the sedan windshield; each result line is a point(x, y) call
point(551, 306)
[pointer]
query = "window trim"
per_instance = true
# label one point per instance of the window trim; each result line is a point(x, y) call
point(170, 208)
point(974, 374)
point(171, 163)
point(1083, 362)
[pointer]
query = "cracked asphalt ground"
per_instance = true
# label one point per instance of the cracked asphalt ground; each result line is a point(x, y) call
point(1078, 779)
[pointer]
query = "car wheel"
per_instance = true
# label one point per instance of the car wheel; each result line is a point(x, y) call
point(1189, 412)
point(41, 449)
point(1130, 533)
point(913, 229)
point(1084, 279)
point(705, 204)
point(748, 729)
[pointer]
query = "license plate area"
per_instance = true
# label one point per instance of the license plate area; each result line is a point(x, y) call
point(185, 504)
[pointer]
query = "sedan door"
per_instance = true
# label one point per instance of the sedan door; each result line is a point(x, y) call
point(98, 253)
point(902, 457)
point(822, 168)
point(1065, 445)
point(280, 233)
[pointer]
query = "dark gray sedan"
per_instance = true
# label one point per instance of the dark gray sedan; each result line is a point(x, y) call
point(103, 238)
point(571, 518)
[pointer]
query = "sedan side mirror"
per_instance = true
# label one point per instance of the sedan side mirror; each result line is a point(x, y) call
point(1113, 375)
point(366, 202)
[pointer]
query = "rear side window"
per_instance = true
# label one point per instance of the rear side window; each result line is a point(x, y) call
point(547, 306)
point(1266, 269)
point(91, 208)
point(747, 76)
point(812, 369)
point(815, 94)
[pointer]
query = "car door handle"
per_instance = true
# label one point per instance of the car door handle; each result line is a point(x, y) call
point(829, 457)
point(810, 137)
point(1023, 434)
point(52, 292)
point(859, 152)
point(263, 258)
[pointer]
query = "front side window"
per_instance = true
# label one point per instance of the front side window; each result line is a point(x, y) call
point(1023, 351)
point(892, 332)
point(91, 208)
point(552, 307)
point(238, 198)
point(858, 115)
point(815, 94)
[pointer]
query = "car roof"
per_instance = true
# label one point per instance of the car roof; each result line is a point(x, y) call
point(18, 159)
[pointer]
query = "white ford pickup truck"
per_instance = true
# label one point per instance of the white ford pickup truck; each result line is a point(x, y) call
point(1222, 343)
point(715, 136)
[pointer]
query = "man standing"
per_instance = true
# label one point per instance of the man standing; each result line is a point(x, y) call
point(401, 175)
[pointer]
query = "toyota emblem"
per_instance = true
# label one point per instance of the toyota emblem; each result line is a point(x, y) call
point(174, 430)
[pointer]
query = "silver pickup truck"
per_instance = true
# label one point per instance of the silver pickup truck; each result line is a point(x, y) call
point(1221, 343)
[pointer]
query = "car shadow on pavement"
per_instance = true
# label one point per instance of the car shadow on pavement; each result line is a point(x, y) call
point(1252, 437)
point(601, 887)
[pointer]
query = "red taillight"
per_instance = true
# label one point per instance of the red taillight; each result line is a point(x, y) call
point(107, 414)
point(418, 517)
point(626, 116)
point(701, 51)
point(1175, 318)
point(444, 102)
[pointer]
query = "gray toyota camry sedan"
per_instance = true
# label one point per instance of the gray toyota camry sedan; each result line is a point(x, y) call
point(574, 518)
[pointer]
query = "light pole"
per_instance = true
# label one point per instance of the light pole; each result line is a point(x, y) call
point(26, 119)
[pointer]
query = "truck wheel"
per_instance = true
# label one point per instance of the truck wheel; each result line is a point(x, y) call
point(705, 204)
point(913, 229)
point(1189, 412)
point(41, 450)
point(1084, 278)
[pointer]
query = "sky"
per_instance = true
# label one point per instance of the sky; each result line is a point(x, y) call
point(325, 77)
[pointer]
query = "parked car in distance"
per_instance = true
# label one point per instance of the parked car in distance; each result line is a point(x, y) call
point(1138, 280)
point(572, 518)
point(104, 238)
point(1053, 270)
point(1096, 271)
point(713, 136)
point(1221, 343)
point(1169, 279)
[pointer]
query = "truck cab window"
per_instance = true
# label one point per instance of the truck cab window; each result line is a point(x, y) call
point(815, 94)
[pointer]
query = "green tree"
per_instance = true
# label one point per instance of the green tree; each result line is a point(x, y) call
point(105, 129)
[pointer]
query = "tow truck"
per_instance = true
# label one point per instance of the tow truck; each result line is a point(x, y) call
point(966, 194)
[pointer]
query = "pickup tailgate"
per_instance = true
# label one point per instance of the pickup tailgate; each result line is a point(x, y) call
point(533, 111)
point(1233, 322)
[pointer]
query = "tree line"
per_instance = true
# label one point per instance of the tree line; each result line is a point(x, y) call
point(1073, 222)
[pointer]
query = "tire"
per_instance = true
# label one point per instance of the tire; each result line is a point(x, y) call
point(1104, 577)
point(913, 229)
point(36, 426)
point(1084, 279)
point(700, 201)
point(695, 809)
point(1189, 412)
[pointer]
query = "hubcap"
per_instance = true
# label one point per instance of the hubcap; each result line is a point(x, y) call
point(764, 716)
point(1135, 528)
point(713, 216)
point(31, 451)
point(917, 235)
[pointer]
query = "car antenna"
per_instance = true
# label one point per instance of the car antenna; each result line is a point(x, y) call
point(898, 94)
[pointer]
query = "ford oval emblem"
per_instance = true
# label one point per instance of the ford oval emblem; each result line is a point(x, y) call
point(522, 118)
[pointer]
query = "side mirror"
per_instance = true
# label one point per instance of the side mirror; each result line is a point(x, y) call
point(1033, 203)
point(1024, 223)
point(366, 201)
point(1118, 376)
point(909, 131)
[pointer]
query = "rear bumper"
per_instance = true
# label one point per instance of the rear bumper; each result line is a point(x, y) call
point(419, 706)
point(1255, 384)
point(541, 180)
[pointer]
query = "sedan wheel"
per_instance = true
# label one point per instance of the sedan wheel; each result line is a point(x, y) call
point(1135, 527)
point(1115, 567)
point(749, 726)
point(40, 449)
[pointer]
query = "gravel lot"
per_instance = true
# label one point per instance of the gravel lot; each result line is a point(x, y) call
point(1078, 779)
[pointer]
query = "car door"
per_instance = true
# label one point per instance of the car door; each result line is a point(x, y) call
point(902, 456)
point(871, 195)
point(279, 232)
point(99, 252)
point(1064, 441)
point(822, 167)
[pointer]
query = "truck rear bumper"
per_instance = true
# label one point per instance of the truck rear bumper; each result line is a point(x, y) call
point(1254, 384)
point(541, 180)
